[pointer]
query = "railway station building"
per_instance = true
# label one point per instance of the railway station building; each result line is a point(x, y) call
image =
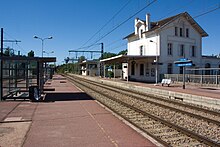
point(90, 68)
point(153, 48)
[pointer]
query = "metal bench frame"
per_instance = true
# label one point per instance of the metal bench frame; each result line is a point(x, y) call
point(166, 81)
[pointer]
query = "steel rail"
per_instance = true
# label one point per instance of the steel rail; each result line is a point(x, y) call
point(157, 103)
point(185, 131)
point(121, 90)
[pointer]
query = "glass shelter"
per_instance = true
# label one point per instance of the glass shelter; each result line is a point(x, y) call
point(19, 73)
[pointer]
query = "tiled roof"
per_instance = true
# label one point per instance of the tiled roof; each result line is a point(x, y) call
point(159, 24)
point(130, 35)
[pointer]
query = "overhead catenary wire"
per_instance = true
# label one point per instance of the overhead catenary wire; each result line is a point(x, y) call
point(103, 36)
point(113, 42)
point(216, 7)
point(123, 22)
point(120, 24)
point(177, 9)
point(10, 36)
point(106, 23)
point(116, 47)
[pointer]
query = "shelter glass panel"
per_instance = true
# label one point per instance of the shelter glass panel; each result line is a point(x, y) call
point(18, 75)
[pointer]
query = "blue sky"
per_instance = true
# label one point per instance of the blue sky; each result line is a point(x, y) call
point(73, 22)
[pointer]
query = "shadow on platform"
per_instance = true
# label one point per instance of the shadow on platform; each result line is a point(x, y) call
point(52, 97)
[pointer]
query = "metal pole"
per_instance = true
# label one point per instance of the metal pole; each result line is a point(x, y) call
point(42, 47)
point(156, 70)
point(26, 75)
point(127, 71)
point(114, 71)
point(1, 90)
point(102, 50)
point(156, 63)
point(184, 85)
point(101, 65)
point(1, 42)
point(38, 74)
point(104, 70)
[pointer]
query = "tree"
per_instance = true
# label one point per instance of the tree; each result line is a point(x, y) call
point(31, 53)
point(67, 59)
point(7, 51)
point(123, 52)
point(108, 55)
point(81, 59)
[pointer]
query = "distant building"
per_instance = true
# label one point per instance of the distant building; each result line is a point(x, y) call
point(163, 42)
point(90, 68)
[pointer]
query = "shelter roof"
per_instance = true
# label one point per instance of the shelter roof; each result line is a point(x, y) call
point(124, 58)
point(40, 59)
point(89, 62)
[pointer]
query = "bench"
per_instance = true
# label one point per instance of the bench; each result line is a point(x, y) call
point(13, 92)
point(166, 81)
point(16, 93)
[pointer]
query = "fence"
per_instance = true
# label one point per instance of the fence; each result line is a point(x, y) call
point(204, 80)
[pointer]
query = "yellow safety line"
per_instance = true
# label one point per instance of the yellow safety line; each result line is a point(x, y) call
point(103, 130)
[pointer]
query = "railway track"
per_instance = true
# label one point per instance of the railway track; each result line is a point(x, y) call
point(171, 123)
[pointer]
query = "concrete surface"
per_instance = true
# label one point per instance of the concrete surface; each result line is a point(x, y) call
point(205, 96)
point(67, 117)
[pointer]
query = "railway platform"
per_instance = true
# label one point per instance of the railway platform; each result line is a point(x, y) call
point(206, 96)
point(67, 117)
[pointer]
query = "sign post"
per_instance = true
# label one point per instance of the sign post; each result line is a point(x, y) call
point(183, 62)
point(184, 80)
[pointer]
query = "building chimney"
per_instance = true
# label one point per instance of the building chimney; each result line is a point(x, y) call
point(147, 22)
point(135, 25)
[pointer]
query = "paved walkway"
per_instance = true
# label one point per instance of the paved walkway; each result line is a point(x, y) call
point(69, 117)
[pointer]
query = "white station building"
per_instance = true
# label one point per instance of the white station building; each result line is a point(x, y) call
point(154, 46)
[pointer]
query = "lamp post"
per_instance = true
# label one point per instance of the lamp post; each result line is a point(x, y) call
point(42, 41)
point(42, 72)
point(156, 61)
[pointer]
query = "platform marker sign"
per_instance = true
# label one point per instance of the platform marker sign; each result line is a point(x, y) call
point(183, 62)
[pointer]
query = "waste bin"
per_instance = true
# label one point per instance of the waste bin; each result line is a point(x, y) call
point(34, 93)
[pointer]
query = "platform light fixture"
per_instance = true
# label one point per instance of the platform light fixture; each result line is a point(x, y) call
point(42, 42)
point(156, 62)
